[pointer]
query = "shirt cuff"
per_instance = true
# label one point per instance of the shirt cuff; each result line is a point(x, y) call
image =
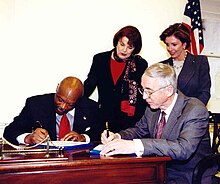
point(87, 138)
point(139, 147)
point(21, 138)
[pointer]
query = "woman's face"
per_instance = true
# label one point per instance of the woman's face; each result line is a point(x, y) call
point(123, 49)
point(175, 47)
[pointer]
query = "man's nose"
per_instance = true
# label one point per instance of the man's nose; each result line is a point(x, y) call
point(145, 96)
point(63, 105)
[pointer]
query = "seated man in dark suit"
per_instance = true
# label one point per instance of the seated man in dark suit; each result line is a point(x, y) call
point(173, 125)
point(47, 114)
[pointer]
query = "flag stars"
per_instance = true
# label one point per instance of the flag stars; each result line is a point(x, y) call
point(192, 10)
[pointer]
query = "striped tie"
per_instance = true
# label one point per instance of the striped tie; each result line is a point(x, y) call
point(161, 125)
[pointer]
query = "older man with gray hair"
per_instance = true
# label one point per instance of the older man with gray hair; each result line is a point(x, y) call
point(173, 125)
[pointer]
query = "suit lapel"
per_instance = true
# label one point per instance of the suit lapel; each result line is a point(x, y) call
point(50, 117)
point(174, 115)
point(187, 71)
point(52, 124)
point(108, 69)
point(81, 118)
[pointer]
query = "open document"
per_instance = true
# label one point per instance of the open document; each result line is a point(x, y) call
point(66, 144)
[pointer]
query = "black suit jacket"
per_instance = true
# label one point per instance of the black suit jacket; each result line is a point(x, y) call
point(109, 95)
point(41, 108)
point(194, 79)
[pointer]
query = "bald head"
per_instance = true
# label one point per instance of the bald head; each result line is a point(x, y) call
point(71, 85)
point(68, 92)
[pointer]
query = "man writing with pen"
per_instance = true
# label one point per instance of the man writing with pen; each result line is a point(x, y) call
point(65, 115)
point(173, 125)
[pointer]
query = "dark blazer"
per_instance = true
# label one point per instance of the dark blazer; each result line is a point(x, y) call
point(41, 108)
point(109, 95)
point(194, 79)
point(185, 137)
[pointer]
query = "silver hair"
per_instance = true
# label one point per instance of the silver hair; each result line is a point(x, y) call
point(164, 72)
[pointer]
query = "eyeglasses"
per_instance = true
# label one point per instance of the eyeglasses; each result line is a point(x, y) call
point(142, 91)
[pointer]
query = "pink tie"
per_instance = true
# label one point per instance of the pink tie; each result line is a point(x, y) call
point(64, 126)
point(161, 125)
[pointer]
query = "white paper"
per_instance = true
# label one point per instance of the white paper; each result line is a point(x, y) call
point(64, 143)
point(98, 148)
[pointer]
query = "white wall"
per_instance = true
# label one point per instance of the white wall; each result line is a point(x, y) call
point(43, 41)
point(211, 24)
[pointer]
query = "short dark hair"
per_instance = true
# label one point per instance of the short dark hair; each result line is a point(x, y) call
point(134, 36)
point(180, 31)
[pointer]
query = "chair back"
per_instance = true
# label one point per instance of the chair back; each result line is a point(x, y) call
point(211, 160)
point(214, 120)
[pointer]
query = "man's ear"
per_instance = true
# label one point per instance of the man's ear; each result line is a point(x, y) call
point(170, 90)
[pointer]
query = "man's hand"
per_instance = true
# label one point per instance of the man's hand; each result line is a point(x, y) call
point(118, 146)
point(37, 136)
point(112, 136)
point(74, 136)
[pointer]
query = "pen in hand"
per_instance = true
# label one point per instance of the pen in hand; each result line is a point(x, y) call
point(37, 135)
point(43, 131)
point(106, 126)
point(39, 123)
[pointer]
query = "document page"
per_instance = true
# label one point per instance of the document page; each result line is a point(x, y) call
point(67, 145)
point(64, 143)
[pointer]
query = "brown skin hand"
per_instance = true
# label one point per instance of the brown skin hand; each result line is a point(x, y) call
point(36, 137)
point(74, 136)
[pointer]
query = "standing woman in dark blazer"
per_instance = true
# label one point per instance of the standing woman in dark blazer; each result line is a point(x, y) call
point(193, 71)
point(117, 76)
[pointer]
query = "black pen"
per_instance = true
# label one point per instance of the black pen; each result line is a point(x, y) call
point(106, 126)
point(38, 123)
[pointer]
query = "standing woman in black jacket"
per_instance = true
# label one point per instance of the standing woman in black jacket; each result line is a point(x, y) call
point(117, 76)
point(193, 72)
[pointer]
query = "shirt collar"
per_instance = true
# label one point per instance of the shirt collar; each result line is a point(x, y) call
point(169, 109)
point(72, 112)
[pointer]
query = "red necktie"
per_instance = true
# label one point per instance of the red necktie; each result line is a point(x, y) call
point(161, 125)
point(64, 126)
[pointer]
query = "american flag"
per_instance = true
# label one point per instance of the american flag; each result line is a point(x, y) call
point(193, 20)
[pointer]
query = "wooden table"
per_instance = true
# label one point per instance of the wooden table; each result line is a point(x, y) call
point(78, 166)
